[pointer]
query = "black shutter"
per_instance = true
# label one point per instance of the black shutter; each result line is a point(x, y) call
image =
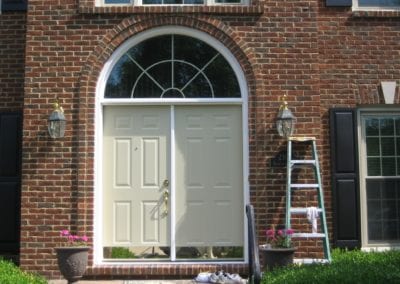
point(10, 182)
point(344, 164)
point(14, 5)
point(338, 3)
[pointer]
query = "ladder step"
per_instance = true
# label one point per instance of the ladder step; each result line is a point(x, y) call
point(299, 210)
point(304, 185)
point(308, 235)
point(303, 162)
point(310, 260)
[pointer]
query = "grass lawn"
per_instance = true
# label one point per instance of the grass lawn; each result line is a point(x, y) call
point(346, 267)
point(11, 274)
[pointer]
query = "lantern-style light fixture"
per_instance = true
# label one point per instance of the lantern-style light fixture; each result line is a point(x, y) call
point(285, 120)
point(57, 122)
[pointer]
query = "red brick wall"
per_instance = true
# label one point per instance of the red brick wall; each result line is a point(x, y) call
point(357, 51)
point(12, 49)
point(320, 57)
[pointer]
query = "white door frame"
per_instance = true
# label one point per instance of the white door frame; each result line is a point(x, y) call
point(101, 101)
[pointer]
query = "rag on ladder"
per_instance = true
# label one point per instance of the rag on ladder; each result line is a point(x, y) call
point(312, 217)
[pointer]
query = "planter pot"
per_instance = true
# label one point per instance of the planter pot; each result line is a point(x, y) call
point(276, 257)
point(72, 262)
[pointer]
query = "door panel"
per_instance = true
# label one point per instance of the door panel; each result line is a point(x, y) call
point(209, 184)
point(136, 140)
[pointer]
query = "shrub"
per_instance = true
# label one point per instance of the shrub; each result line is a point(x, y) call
point(11, 274)
point(121, 252)
point(346, 267)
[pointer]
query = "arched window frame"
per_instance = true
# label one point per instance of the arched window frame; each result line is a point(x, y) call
point(101, 102)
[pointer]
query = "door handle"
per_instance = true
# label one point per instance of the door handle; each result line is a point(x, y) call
point(166, 197)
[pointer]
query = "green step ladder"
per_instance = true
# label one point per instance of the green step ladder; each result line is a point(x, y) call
point(317, 185)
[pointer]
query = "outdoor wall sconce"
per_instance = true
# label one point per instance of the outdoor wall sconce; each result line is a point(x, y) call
point(285, 120)
point(57, 122)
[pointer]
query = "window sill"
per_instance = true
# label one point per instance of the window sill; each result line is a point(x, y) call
point(223, 9)
point(375, 13)
point(379, 248)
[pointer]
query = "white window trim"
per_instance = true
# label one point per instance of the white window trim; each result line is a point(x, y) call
point(356, 7)
point(98, 259)
point(101, 3)
point(361, 113)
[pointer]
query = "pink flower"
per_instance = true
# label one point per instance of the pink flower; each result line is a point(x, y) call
point(74, 240)
point(279, 238)
point(270, 233)
point(289, 232)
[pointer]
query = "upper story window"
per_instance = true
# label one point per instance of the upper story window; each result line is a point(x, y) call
point(172, 2)
point(376, 4)
point(172, 66)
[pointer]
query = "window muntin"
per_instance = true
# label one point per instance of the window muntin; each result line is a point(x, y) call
point(172, 66)
point(381, 136)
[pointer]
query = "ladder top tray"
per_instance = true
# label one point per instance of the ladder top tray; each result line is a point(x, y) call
point(301, 138)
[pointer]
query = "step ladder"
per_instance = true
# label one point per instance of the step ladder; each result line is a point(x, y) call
point(314, 164)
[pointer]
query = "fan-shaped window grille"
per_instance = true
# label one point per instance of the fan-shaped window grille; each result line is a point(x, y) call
point(172, 66)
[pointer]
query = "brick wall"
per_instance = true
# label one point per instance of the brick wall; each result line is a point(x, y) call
point(12, 49)
point(320, 57)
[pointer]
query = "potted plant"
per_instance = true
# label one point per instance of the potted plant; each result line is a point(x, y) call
point(278, 251)
point(73, 257)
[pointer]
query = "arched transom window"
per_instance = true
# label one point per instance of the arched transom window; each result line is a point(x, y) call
point(172, 66)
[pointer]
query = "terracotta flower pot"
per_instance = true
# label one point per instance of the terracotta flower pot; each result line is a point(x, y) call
point(72, 262)
point(276, 257)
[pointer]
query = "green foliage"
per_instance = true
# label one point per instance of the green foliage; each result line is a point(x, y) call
point(121, 252)
point(234, 252)
point(346, 267)
point(11, 274)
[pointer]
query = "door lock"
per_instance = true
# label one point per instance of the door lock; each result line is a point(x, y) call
point(166, 183)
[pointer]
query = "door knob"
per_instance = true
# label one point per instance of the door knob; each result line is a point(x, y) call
point(166, 183)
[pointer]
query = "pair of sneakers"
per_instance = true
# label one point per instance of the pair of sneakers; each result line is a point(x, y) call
point(221, 277)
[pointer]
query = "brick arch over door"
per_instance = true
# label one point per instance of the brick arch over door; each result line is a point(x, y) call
point(95, 63)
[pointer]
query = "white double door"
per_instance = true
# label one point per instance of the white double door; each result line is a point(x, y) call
point(173, 176)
